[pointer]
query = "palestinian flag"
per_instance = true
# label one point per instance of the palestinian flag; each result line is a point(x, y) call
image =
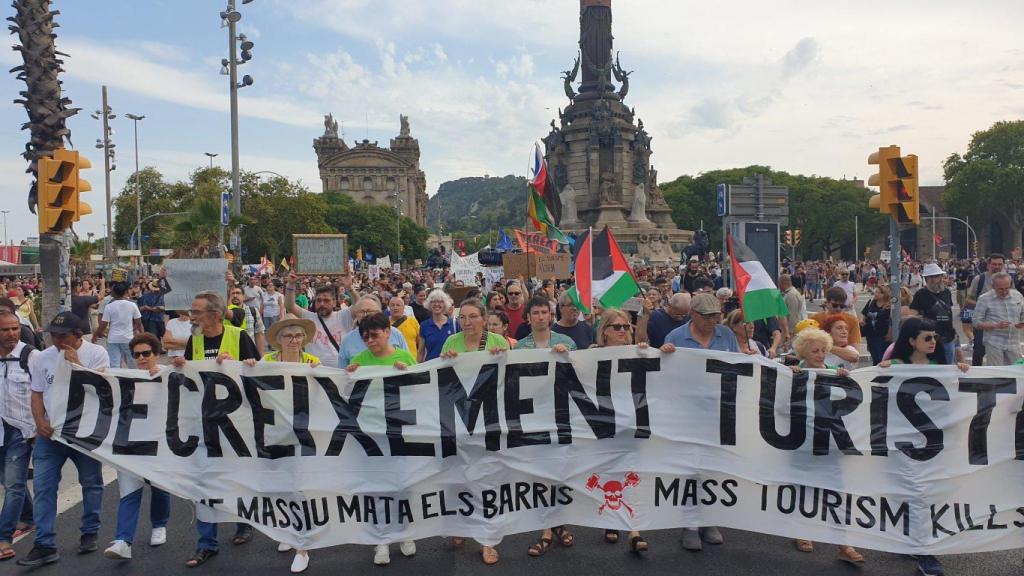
point(542, 205)
point(602, 273)
point(759, 297)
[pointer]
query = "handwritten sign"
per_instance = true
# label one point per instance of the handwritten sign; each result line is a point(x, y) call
point(320, 253)
point(552, 266)
point(186, 278)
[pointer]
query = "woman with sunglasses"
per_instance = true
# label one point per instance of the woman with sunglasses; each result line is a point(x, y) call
point(616, 330)
point(917, 343)
point(145, 350)
point(375, 330)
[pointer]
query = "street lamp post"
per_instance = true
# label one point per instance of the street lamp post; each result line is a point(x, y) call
point(106, 114)
point(138, 189)
point(230, 18)
point(211, 155)
point(7, 249)
point(154, 215)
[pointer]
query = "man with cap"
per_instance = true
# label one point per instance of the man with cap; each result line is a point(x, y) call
point(935, 303)
point(49, 456)
point(704, 331)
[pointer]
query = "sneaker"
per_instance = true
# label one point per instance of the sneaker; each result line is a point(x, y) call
point(39, 556)
point(158, 537)
point(691, 540)
point(282, 547)
point(382, 555)
point(87, 543)
point(119, 550)
point(408, 548)
point(930, 566)
point(711, 535)
point(300, 562)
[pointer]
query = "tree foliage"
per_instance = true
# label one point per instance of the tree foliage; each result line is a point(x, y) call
point(823, 208)
point(989, 177)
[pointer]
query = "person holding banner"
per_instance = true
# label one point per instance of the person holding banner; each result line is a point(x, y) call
point(145, 350)
point(352, 344)
point(474, 338)
point(812, 347)
point(289, 338)
point(49, 456)
point(917, 343)
point(434, 333)
point(375, 330)
point(616, 330)
point(214, 339)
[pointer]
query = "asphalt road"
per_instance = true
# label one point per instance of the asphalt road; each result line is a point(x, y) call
point(743, 553)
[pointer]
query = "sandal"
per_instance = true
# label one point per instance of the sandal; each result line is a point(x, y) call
point(456, 542)
point(6, 553)
point(565, 538)
point(611, 536)
point(637, 544)
point(805, 545)
point(850, 554)
point(540, 548)
point(489, 554)
point(200, 557)
point(242, 536)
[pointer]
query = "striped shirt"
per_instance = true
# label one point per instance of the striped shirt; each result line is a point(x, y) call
point(16, 392)
point(992, 308)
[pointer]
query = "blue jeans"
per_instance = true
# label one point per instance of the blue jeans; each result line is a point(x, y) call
point(15, 455)
point(118, 351)
point(950, 348)
point(128, 512)
point(48, 458)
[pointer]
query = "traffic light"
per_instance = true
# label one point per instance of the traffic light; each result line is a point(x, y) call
point(886, 194)
point(787, 237)
point(59, 185)
point(796, 237)
point(897, 185)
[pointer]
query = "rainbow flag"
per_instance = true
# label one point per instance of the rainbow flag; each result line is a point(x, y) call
point(542, 204)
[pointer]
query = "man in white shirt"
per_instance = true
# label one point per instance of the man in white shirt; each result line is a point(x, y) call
point(49, 456)
point(123, 320)
point(1000, 315)
point(848, 286)
point(331, 325)
point(253, 294)
point(18, 425)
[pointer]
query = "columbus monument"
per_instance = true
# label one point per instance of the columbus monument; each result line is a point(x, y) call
point(599, 153)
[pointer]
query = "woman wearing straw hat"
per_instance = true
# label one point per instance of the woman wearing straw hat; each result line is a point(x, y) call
point(288, 337)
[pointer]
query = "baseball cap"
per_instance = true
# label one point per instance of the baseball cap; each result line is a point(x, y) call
point(65, 323)
point(705, 303)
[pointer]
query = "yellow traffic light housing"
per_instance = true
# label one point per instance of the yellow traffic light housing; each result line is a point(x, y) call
point(59, 186)
point(907, 207)
point(884, 179)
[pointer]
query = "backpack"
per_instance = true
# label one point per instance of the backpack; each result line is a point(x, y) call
point(26, 351)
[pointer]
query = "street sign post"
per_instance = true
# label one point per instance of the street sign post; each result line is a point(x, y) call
point(723, 199)
point(225, 207)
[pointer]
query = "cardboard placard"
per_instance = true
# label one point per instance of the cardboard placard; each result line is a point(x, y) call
point(185, 278)
point(515, 265)
point(551, 266)
point(320, 253)
point(458, 293)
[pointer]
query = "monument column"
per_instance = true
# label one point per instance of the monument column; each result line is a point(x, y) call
point(595, 43)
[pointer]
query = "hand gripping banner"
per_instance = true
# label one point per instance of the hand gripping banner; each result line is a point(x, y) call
point(911, 459)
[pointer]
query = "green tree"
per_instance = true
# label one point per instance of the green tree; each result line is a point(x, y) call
point(989, 178)
point(157, 196)
point(281, 208)
point(197, 233)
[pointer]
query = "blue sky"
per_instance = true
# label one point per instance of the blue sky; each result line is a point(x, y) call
point(807, 87)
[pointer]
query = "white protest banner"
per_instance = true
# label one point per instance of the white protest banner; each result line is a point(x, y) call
point(384, 262)
point(492, 275)
point(396, 268)
point(187, 277)
point(911, 459)
point(465, 267)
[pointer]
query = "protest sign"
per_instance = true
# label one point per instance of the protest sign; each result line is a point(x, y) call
point(911, 459)
point(373, 272)
point(384, 262)
point(320, 253)
point(552, 266)
point(465, 268)
point(185, 278)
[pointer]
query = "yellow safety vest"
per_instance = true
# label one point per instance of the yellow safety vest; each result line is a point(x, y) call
point(230, 342)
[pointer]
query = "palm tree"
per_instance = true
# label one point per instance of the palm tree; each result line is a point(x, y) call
point(197, 234)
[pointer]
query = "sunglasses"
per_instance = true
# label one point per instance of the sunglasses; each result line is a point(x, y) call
point(928, 337)
point(515, 293)
point(371, 335)
point(142, 354)
point(619, 327)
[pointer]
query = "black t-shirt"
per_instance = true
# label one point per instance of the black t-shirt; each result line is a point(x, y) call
point(246, 347)
point(582, 334)
point(420, 312)
point(763, 330)
point(876, 320)
point(80, 307)
point(937, 308)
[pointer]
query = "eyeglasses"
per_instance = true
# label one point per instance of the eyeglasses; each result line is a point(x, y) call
point(142, 354)
point(515, 293)
point(469, 318)
point(298, 336)
point(711, 316)
point(618, 327)
point(371, 335)
point(196, 312)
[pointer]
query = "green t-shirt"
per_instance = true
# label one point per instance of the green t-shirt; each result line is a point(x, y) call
point(366, 358)
point(457, 343)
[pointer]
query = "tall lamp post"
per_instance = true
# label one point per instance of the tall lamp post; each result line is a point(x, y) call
point(398, 222)
point(138, 189)
point(229, 67)
point(211, 155)
point(106, 115)
point(7, 249)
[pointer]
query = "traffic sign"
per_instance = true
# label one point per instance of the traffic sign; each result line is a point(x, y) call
point(723, 204)
point(225, 207)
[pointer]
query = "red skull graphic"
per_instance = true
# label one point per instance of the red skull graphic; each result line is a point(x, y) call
point(613, 491)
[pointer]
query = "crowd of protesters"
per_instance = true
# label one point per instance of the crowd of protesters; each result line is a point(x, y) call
point(401, 319)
